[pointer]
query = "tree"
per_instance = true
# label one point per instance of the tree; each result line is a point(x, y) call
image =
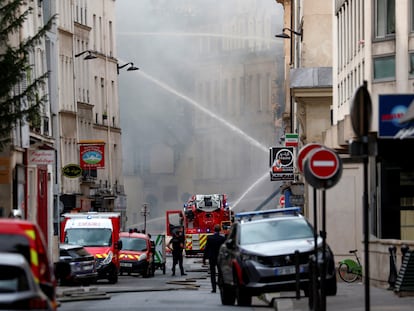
point(20, 99)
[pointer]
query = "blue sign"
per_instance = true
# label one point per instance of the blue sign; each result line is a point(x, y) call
point(391, 109)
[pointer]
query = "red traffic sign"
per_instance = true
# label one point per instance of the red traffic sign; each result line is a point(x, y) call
point(322, 168)
point(323, 163)
point(282, 200)
point(303, 153)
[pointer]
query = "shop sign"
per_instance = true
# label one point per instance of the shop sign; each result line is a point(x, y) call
point(281, 164)
point(396, 117)
point(41, 157)
point(72, 171)
point(92, 156)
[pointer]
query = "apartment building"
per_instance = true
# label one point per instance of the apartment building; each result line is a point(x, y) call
point(371, 42)
point(89, 117)
point(28, 163)
point(218, 141)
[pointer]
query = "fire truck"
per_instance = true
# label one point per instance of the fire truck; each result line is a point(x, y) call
point(198, 218)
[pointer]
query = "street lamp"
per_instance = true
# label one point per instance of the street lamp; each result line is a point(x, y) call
point(130, 68)
point(286, 36)
point(145, 212)
point(89, 56)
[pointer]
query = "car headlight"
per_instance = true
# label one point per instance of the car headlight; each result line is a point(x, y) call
point(248, 256)
point(142, 257)
point(108, 258)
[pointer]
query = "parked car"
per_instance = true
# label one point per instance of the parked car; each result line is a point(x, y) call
point(24, 237)
point(137, 254)
point(18, 288)
point(259, 256)
point(80, 268)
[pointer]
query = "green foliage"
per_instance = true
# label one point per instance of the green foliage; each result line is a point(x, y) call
point(19, 89)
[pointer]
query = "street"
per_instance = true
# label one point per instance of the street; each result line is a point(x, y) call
point(161, 292)
point(165, 292)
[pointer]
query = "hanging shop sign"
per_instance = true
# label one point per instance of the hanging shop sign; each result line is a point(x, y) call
point(72, 171)
point(281, 164)
point(92, 156)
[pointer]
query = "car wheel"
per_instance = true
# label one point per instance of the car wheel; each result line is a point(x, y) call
point(331, 286)
point(147, 272)
point(113, 278)
point(227, 293)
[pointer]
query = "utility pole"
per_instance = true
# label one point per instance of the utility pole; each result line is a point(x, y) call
point(145, 212)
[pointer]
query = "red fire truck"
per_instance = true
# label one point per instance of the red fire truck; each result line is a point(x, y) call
point(198, 218)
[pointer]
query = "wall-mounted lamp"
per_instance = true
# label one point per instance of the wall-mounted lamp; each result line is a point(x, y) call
point(89, 56)
point(286, 36)
point(130, 68)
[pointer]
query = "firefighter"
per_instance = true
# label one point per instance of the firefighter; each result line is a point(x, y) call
point(211, 253)
point(177, 243)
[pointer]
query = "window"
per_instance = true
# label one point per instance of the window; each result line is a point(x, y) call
point(412, 15)
point(384, 18)
point(384, 67)
point(411, 72)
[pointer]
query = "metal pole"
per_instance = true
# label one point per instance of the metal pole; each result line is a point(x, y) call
point(323, 234)
point(315, 270)
point(366, 229)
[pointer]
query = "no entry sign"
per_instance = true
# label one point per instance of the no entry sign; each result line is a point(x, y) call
point(303, 154)
point(322, 168)
point(323, 163)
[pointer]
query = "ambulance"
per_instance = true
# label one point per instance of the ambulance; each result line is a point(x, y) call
point(98, 232)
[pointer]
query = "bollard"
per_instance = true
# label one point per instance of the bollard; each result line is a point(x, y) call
point(297, 270)
point(392, 278)
point(314, 297)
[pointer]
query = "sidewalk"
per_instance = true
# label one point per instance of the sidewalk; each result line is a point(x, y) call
point(350, 297)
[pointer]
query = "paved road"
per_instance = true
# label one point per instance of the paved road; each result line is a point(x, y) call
point(350, 297)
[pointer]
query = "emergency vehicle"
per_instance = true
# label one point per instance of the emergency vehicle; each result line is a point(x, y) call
point(25, 237)
point(98, 232)
point(137, 254)
point(198, 218)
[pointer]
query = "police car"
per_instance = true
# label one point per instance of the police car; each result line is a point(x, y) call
point(265, 251)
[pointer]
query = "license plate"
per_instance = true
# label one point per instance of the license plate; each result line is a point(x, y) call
point(89, 267)
point(285, 270)
point(126, 264)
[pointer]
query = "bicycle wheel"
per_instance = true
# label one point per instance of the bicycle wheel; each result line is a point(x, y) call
point(346, 274)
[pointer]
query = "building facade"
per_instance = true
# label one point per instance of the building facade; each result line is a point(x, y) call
point(89, 117)
point(209, 128)
point(370, 43)
point(28, 164)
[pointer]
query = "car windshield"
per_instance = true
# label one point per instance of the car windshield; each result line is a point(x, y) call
point(276, 230)
point(89, 236)
point(15, 243)
point(74, 252)
point(134, 244)
point(12, 279)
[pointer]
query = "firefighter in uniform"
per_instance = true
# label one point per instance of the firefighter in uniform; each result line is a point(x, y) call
point(176, 245)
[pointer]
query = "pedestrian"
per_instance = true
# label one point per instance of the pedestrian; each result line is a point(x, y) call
point(211, 252)
point(177, 243)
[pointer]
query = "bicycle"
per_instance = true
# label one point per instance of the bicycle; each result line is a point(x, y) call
point(350, 270)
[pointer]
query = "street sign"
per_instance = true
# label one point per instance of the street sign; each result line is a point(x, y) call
point(323, 163)
point(361, 111)
point(303, 153)
point(322, 168)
